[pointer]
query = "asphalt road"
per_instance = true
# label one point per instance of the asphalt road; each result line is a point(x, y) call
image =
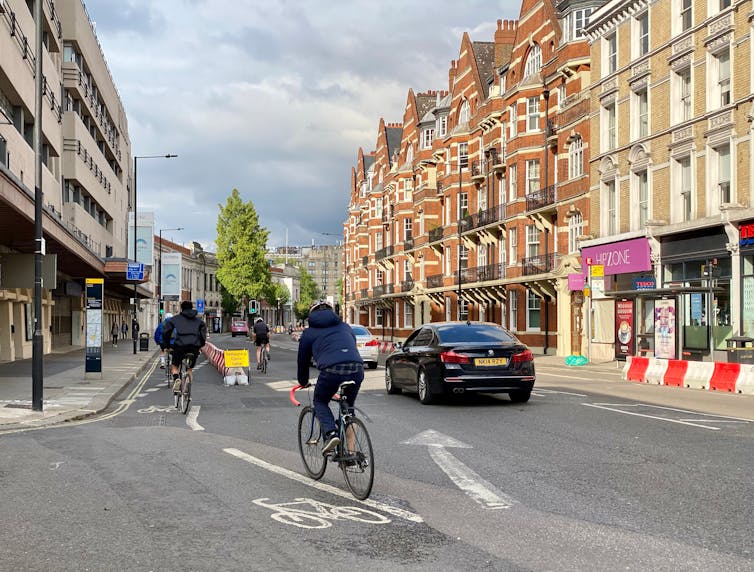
point(569, 481)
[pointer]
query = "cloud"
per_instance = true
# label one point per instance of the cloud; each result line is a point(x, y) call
point(272, 97)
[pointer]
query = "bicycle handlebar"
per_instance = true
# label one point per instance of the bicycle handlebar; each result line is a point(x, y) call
point(295, 401)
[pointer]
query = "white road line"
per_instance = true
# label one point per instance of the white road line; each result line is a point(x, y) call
point(400, 513)
point(564, 376)
point(563, 392)
point(650, 416)
point(468, 481)
point(191, 418)
point(151, 389)
point(712, 420)
point(697, 413)
point(284, 385)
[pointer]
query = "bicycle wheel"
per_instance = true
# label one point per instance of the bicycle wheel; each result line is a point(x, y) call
point(176, 397)
point(264, 362)
point(310, 443)
point(358, 464)
point(185, 394)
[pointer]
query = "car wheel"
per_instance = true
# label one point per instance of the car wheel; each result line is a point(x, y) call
point(372, 365)
point(233, 335)
point(422, 386)
point(521, 396)
point(389, 387)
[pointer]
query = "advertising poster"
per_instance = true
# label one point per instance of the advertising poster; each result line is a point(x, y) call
point(665, 329)
point(171, 276)
point(624, 328)
point(144, 238)
point(93, 356)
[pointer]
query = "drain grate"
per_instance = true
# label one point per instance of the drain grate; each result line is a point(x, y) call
point(18, 405)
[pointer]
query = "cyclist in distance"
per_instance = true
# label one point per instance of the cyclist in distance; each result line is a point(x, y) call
point(158, 338)
point(188, 334)
point(261, 339)
point(333, 345)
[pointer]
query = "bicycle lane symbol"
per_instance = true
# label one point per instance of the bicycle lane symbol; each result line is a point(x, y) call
point(310, 513)
point(157, 409)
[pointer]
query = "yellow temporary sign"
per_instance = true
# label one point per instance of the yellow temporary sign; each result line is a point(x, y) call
point(236, 358)
point(597, 269)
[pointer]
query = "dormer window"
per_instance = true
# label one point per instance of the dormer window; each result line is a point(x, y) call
point(534, 61)
point(465, 113)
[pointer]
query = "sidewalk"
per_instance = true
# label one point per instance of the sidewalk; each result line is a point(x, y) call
point(68, 393)
point(559, 361)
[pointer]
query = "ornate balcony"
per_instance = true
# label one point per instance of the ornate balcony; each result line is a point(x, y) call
point(364, 293)
point(384, 252)
point(407, 285)
point(435, 234)
point(483, 218)
point(541, 198)
point(482, 273)
point(477, 170)
point(408, 244)
point(435, 280)
point(379, 290)
point(538, 264)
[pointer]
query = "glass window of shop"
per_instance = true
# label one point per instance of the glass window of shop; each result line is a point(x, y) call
point(701, 311)
point(747, 295)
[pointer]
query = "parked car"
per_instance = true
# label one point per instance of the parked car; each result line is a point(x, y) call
point(446, 358)
point(369, 347)
point(239, 327)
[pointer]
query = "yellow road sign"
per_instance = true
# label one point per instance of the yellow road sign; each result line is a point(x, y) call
point(236, 358)
point(597, 269)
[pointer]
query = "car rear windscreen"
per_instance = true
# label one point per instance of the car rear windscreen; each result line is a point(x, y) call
point(473, 333)
point(360, 331)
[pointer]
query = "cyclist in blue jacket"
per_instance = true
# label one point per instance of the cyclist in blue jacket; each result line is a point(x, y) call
point(158, 339)
point(333, 345)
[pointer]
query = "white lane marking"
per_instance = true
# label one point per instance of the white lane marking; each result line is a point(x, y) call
point(650, 416)
point(57, 465)
point(469, 482)
point(400, 513)
point(548, 374)
point(563, 392)
point(284, 385)
point(157, 409)
point(141, 395)
point(712, 420)
point(151, 389)
point(697, 413)
point(319, 514)
point(191, 418)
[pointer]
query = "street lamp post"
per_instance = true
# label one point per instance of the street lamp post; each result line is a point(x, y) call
point(460, 191)
point(159, 270)
point(136, 164)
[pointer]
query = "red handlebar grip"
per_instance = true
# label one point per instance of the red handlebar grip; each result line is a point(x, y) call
point(293, 399)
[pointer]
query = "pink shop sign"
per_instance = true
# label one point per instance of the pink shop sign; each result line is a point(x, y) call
point(620, 257)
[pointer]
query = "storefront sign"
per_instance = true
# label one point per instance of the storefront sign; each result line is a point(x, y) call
point(665, 329)
point(624, 328)
point(575, 282)
point(621, 257)
point(697, 319)
point(746, 234)
point(646, 283)
point(93, 356)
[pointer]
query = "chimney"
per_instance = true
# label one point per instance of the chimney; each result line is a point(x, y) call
point(452, 74)
point(505, 35)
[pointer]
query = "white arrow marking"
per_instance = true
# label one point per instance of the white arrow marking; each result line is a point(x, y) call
point(483, 492)
point(191, 419)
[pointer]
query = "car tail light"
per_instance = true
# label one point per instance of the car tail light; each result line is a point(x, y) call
point(371, 343)
point(522, 357)
point(453, 357)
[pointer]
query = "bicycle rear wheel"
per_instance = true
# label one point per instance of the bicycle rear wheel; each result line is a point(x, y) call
point(310, 443)
point(185, 394)
point(357, 460)
point(264, 362)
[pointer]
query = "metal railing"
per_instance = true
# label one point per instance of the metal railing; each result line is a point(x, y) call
point(436, 234)
point(435, 280)
point(408, 244)
point(364, 293)
point(541, 198)
point(482, 218)
point(384, 252)
point(407, 285)
point(378, 290)
point(477, 168)
point(482, 273)
point(539, 264)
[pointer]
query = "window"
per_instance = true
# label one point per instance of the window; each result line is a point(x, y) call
point(513, 180)
point(561, 96)
point(723, 174)
point(686, 15)
point(681, 87)
point(533, 61)
point(576, 21)
point(723, 76)
point(427, 136)
point(408, 315)
point(513, 246)
point(463, 309)
point(532, 241)
point(642, 34)
point(513, 310)
point(465, 112)
point(641, 112)
point(463, 205)
point(378, 316)
point(575, 230)
point(442, 125)
point(609, 133)
point(576, 158)
point(611, 209)
point(611, 53)
point(514, 120)
point(683, 184)
point(532, 176)
point(532, 311)
point(642, 191)
point(463, 257)
point(463, 155)
point(446, 262)
point(532, 113)
point(408, 224)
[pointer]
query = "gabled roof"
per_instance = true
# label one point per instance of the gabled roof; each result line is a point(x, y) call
point(393, 135)
point(484, 54)
point(368, 162)
point(424, 103)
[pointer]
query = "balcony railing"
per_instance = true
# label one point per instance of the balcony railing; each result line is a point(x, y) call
point(541, 198)
point(538, 264)
point(364, 293)
point(407, 285)
point(365, 260)
point(435, 280)
point(408, 244)
point(435, 234)
point(477, 169)
point(483, 218)
point(384, 252)
point(483, 273)
point(378, 290)
point(389, 288)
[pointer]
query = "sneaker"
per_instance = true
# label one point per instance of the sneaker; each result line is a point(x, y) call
point(259, 366)
point(331, 442)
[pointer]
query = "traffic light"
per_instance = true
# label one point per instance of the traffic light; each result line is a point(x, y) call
point(253, 306)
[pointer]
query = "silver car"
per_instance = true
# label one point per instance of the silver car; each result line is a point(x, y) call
point(369, 346)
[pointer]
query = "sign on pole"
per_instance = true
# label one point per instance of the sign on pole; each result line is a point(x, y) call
point(236, 358)
point(94, 292)
point(200, 306)
point(135, 271)
point(144, 237)
point(171, 276)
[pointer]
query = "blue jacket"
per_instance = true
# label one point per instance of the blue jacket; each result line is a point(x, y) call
point(158, 334)
point(328, 340)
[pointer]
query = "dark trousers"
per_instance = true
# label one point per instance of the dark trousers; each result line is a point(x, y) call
point(327, 386)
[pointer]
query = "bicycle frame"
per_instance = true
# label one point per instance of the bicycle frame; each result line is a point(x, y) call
point(344, 417)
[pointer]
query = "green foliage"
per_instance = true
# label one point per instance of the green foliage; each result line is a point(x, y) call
point(309, 293)
point(241, 250)
point(277, 293)
point(227, 302)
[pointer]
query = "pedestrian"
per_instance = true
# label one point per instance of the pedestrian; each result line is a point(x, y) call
point(124, 330)
point(114, 334)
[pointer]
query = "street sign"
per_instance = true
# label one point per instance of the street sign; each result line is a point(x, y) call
point(597, 270)
point(236, 358)
point(135, 271)
point(200, 306)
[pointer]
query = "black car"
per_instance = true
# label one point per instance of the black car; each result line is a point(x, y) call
point(443, 358)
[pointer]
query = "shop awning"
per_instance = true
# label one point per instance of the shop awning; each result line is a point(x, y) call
point(660, 292)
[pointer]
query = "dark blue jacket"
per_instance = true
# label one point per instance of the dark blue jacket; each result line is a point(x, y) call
point(328, 340)
point(158, 334)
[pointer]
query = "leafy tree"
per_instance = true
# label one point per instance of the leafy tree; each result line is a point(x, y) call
point(227, 302)
point(277, 292)
point(309, 293)
point(241, 247)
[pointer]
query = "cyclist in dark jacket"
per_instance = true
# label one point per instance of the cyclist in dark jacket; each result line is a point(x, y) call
point(332, 344)
point(188, 334)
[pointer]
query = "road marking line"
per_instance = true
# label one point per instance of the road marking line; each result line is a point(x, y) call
point(650, 416)
point(151, 389)
point(712, 420)
point(400, 513)
point(563, 392)
point(469, 482)
point(566, 376)
point(191, 418)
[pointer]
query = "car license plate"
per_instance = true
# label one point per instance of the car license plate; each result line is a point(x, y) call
point(359, 345)
point(490, 361)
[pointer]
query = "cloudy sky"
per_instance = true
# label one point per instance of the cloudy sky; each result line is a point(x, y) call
point(273, 97)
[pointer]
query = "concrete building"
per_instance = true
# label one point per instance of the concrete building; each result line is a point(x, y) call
point(671, 100)
point(86, 181)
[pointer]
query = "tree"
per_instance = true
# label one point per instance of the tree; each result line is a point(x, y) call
point(227, 302)
point(309, 293)
point(241, 247)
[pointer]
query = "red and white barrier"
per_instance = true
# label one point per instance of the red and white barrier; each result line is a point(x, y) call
point(712, 376)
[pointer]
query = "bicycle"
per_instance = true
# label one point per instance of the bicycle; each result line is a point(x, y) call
point(168, 369)
point(353, 455)
point(264, 360)
point(183, 398)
